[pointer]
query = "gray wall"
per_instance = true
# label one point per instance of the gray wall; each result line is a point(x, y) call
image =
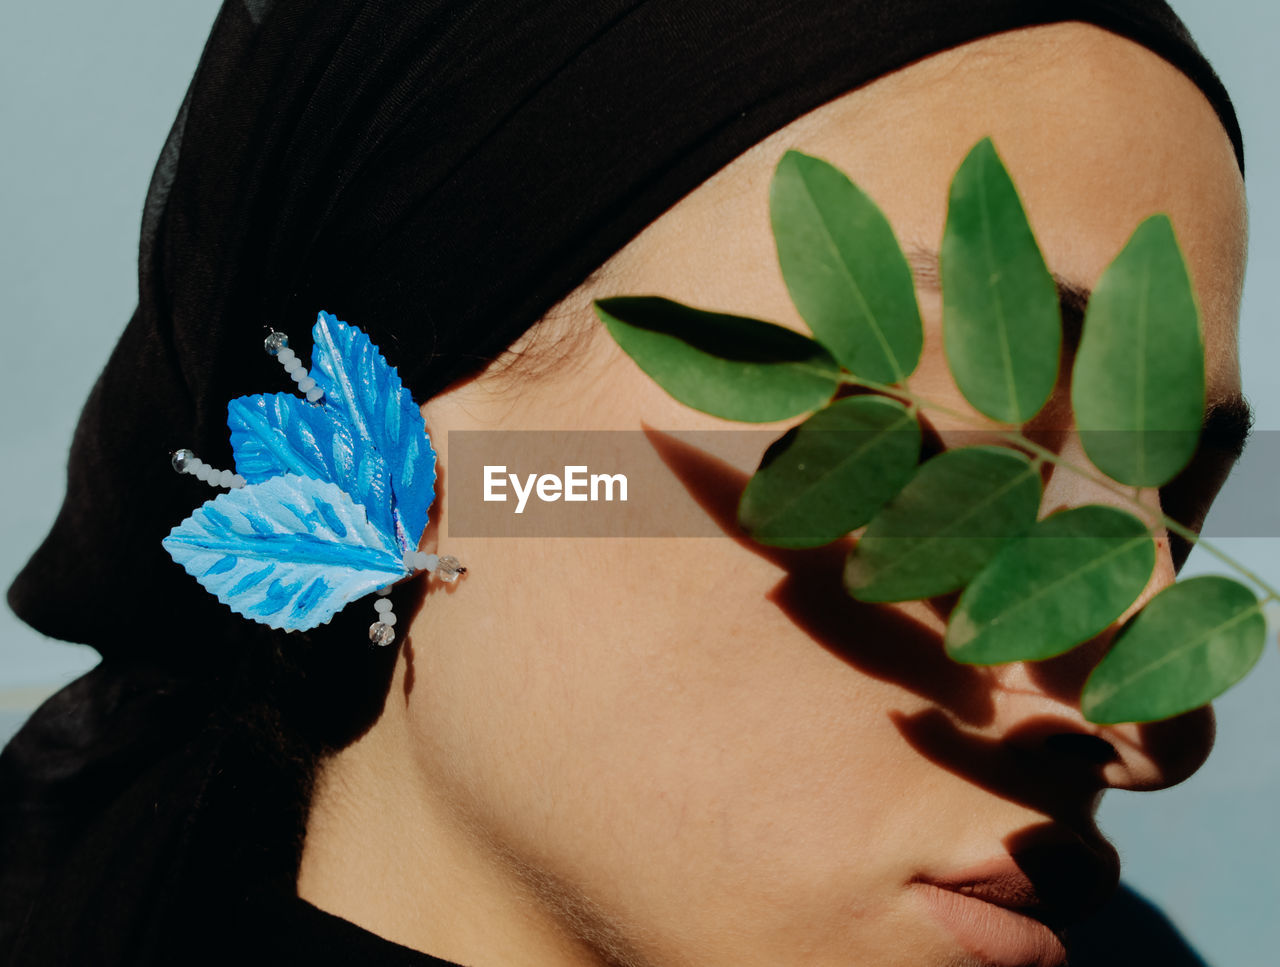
point(87, 94)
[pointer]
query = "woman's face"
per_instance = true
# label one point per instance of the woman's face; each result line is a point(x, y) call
point(700, 751)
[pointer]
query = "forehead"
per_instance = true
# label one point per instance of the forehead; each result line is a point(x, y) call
point(1097, 131)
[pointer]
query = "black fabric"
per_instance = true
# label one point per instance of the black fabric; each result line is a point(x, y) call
point(1127, 930)
point(439, 173)
point(283, 929)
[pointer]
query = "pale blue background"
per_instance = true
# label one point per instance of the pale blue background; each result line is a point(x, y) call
point(87, 94)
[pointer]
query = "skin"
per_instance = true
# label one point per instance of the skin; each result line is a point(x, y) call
point(657, 751)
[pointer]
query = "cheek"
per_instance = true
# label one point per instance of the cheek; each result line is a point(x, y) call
point(648, 723)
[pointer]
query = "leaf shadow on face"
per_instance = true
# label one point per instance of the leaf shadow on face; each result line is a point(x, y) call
point(883, 642)
point(879, 641)
point(1044, 762)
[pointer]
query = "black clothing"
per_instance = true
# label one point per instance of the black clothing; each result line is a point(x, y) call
point(1126, 931)
point(439, 173)
point(294, 931)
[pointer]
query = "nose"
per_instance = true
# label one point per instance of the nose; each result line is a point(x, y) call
point(1039, 702)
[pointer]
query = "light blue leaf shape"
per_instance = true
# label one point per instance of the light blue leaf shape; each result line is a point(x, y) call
point(289, 552)
point(366, 393)
point(279, 433)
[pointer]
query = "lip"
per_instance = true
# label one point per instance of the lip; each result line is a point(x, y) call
point(1012, 910)
point(999, 935)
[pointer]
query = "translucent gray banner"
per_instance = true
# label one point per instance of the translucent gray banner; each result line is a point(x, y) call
point(680, 483)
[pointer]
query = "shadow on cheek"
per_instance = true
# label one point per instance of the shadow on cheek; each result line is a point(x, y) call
point(1020, 764)
point(877, 640)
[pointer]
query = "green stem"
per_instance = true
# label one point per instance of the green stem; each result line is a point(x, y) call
point(1043, 453)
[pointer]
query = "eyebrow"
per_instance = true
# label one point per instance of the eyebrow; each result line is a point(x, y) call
point(1228, 420)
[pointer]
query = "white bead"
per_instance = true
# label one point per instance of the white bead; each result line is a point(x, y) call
point(226, 477)
point(294, 366)
point(203, 471)
point(448, 569)
point(237, 482)
point(427, 562)
point(382, 604)
point(286, 356)
point(388, 618)
point(384, 591)
point(315, 394)
point(307, 384)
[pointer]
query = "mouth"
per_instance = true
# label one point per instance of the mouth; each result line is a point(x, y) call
point(1001, 936)
point(1013, 910)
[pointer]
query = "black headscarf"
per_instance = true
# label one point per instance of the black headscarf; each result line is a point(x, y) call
point(439, 173)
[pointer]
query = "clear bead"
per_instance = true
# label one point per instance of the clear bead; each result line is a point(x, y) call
point(448, 568)
point(275, 342)
point(381, 634)
point(182, 459)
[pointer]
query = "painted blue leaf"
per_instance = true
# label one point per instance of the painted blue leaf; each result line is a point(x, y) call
point(366, 393)
point(279, 433)
point(288, 552)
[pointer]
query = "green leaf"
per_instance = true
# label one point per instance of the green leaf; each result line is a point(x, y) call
point(1001, 324)
point(729, 366)
point(1192, 641)
point(1065, 582)
point(1138, 386)
point(844, 269)
point(957, 512)
point(829, 475)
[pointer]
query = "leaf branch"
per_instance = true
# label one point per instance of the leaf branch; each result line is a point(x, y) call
point(1129, 495)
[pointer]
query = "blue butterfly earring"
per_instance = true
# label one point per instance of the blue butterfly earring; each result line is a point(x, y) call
point(330, 493)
